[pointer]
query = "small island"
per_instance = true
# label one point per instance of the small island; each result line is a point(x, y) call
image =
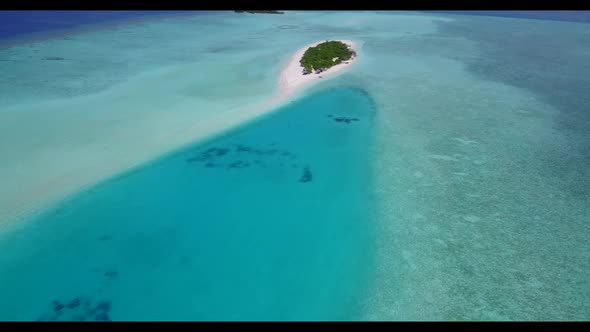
point(315, 62)
point(325, 55)
point(259, 11)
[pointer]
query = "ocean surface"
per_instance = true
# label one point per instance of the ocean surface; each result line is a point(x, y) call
point(271, 222)
point(15, 23)
point(442, 177)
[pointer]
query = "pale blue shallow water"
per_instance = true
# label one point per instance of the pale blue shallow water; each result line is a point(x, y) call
point(227, 230)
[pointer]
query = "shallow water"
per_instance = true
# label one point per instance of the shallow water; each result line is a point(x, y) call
point(271, 222)
point(474, 167)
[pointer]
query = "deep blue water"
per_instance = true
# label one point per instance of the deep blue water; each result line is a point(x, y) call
point(14, 23)
point(270, 222)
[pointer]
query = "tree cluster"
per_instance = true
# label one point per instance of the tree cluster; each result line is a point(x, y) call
point(325, 55)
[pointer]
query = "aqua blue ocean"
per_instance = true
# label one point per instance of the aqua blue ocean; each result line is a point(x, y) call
point(270, 222)
point(149, 172)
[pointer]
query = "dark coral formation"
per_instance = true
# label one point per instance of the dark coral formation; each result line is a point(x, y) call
point(249, 157)
point(345, 119)
point(209, 154)
point(217, 156)
point(102, 317)
point(104, 306)
point(57, 307)
point(242, 148)
point(112, 273)
point(79, 308)
point(307, 176)
point(74, 303)
point(217, 151)
point(239, 164)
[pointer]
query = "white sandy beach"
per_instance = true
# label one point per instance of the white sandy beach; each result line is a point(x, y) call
point(61, 168)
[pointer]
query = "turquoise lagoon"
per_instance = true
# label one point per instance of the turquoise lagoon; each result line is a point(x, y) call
point(461, 193)
point(270, 222)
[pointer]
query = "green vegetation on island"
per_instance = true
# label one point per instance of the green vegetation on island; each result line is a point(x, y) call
point(259, 11)
point(325, 55)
